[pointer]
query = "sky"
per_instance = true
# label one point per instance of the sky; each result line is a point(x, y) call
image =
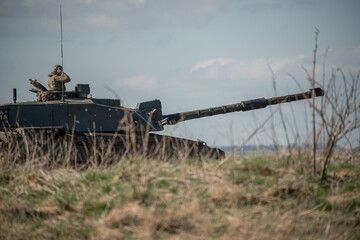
point(190, 54)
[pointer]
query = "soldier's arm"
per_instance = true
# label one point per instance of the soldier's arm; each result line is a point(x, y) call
point(65, 78)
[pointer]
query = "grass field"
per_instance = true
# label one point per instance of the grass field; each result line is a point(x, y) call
point(235, 198)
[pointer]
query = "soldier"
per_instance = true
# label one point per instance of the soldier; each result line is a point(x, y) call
point(57, 79)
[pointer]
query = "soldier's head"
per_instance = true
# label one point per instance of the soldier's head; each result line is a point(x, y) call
point(57, 69)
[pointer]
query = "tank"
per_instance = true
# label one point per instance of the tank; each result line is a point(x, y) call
point(87, 120)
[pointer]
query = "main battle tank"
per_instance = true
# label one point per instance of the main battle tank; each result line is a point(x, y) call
point(84, 119)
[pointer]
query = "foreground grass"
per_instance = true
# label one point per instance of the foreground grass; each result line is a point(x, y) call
point(256, 198)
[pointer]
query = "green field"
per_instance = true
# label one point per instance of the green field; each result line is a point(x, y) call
point(136, 198)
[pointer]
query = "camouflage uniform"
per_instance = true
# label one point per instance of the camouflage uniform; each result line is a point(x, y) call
point(57, 81)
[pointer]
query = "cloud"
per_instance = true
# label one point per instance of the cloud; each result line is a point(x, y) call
point(139, 83)
point(123, 17)
point(347, 58)
point(86, 2)
point(352, 55)
point(244, 69)
point(191, 13)
point(100, 21)
point(281, 63)
point(211, 62)
point(356, 52)
point(138, 3)
point(34, 3)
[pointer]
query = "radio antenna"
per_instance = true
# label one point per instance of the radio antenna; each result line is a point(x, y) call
point(62, 56)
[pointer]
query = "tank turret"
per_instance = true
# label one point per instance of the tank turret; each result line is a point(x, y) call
point(76, 111)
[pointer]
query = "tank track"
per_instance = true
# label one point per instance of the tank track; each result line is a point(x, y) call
point(150, 145)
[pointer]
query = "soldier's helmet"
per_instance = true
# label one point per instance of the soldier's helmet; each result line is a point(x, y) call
point(56, 67)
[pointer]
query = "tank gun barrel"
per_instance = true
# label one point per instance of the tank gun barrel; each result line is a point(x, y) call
point(253, 104)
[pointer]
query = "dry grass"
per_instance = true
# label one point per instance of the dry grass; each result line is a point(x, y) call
point(137, 198)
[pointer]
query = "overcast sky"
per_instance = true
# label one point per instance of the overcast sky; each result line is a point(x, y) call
point(190, 54)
